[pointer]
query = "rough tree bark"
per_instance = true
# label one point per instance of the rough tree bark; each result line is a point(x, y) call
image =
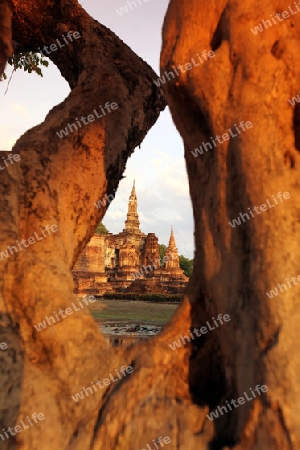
point(5, 34)
point(169, 392)
point(251, 79)
point(57, 182)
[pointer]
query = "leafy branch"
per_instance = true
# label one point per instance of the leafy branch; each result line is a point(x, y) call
point(28, 61)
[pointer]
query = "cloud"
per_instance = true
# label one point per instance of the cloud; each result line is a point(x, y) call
point(172, 173)
point(163, 199)
point(9, 136)
point(21, 110)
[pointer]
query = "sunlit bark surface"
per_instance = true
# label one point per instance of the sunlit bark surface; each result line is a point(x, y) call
point(250, 78)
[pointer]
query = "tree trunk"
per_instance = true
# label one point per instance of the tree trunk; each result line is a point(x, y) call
point(5, 34)
point(250, 78)
point(57, 181)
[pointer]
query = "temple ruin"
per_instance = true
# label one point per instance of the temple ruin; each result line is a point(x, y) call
point(128, 261)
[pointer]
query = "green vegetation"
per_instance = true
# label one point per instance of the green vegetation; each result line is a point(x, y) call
point(143, 317)
point(162, 250)
point(29, 62)
point(101, 229)
point(186, 265)
point(161, 298)
point(135, 312)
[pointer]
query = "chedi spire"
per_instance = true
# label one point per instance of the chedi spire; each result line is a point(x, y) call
point(172, 253)
point(132, 222)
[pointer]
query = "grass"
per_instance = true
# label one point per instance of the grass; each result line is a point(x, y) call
point(159, 298)
point(141, 312)
point(139, 318)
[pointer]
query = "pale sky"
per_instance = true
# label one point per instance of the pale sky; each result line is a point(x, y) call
point(158, 167)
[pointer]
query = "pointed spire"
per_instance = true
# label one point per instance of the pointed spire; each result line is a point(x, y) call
point(172, 242)
point(133, 193)
point(132, 222)
point(172, 253)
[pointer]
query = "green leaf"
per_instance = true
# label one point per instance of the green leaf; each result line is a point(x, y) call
point(27, 61)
